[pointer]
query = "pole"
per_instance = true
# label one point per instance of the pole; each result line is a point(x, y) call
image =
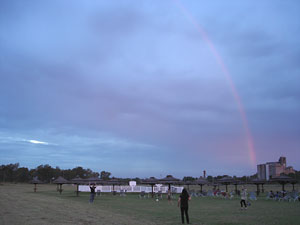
point(152, 191)
point(257, 189)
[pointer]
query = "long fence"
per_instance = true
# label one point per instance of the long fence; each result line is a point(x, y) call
point(133, 189)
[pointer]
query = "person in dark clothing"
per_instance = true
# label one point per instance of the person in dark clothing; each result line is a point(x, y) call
point(92, 195)
point(183, 202)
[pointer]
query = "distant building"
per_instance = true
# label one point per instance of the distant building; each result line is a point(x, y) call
point(273, 169)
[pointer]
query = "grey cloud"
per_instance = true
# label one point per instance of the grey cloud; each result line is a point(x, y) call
point(150, 80)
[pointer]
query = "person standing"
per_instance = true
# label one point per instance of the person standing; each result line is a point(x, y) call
point(243, 198)
point(92, 195)
point(169, 194)
point(183, 202)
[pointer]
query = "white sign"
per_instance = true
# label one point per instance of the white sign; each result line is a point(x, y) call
point(132, 183)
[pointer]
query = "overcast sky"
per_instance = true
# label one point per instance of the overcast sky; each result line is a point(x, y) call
point(137, 88)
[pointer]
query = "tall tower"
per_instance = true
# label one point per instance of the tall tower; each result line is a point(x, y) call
point(282, 161)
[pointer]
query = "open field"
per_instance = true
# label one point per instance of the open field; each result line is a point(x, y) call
point(20, 205)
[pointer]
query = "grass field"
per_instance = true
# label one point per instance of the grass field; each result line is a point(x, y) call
point(20, 205)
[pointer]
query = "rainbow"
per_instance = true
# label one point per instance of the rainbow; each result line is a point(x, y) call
point(220, 62)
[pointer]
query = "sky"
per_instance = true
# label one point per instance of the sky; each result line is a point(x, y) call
point(150, 88)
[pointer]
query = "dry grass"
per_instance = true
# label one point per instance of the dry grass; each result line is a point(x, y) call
point(19, 205)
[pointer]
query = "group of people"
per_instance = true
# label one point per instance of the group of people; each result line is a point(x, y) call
point(183, 201)
point(277, 195)
point(281, 195)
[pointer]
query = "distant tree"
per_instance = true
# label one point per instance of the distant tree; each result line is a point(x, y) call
point(126, 180)
point(220, 177)
point(105, 175)
point(57, 172)
point(12, 173)
point(245, 179)
point(79, 171)
point(45, 172)
point(22, 175)
point(89, 173)
point(295, 175)
point(189, 178)
point(95, 174)
point(68, 174)
point(8, 172)
point(210, 178)
point(32, 173)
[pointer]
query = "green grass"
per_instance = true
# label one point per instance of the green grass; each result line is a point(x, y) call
point(20, 205)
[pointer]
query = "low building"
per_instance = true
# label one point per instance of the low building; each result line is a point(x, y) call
point(273, 169)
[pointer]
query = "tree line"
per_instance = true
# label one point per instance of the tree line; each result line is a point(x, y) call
point(215, 178)
point(46, 173)
point(245, 179)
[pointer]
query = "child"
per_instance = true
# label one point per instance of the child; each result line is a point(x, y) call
point(243, 198)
